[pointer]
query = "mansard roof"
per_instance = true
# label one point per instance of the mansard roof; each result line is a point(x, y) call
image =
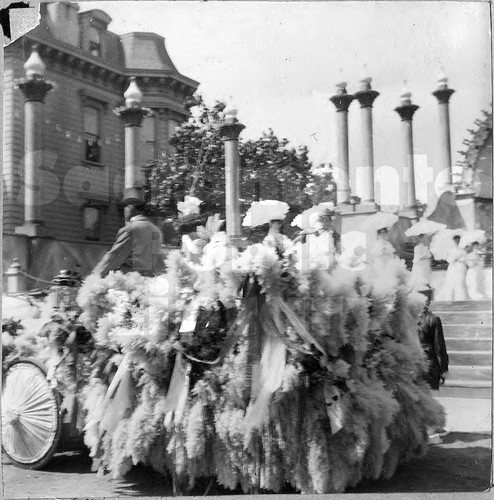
point(133, 54)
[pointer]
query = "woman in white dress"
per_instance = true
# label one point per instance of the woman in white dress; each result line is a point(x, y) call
point(474, 278)
point(381, 251)
point(421, 269)
point(455, 287)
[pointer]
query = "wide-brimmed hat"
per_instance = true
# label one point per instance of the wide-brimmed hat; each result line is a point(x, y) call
point(425, 226)
point(262, 212)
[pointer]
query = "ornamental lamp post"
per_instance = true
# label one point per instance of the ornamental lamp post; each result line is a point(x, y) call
point(342, 101)
point(132, 114)
point(406, 110)
point(443, 94)
point(366, 97)
point(229, 133)
point(35, 88)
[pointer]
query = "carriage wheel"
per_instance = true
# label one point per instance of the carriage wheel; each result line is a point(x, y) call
point(31, 417)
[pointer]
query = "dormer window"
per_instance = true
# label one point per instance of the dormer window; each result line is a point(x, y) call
point(94, 42)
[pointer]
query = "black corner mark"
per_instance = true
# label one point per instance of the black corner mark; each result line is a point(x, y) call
point(5, 16)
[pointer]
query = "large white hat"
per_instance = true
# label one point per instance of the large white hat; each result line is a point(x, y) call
point(310, 218)
point(425, 226)
point(378, 221)
point(262, 212)
point(469, 237)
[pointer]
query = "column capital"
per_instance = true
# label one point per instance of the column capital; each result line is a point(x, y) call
point(406, 111)
point(341, 101)
point(366, 97)
point(132, 116)
point(230, 129)
point(443, 95)
point(35, 88)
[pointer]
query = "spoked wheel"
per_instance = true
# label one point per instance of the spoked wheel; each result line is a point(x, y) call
point(31, 418)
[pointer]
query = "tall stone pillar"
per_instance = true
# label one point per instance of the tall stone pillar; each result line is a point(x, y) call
point(444, 175)
point(342, 101)
point(229, 132)
point(132, 114)
point(35, 89)
point(365, 186)
point(408, 200)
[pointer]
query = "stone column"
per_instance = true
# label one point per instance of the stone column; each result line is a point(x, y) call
point(35, 89)
point(445, 174)
point(342, 101)
point(366, 97)
point(406, 110)
point(132, 114)
point(229, 132)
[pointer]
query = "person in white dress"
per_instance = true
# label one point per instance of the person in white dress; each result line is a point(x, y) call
point(475, 271)
point(316, 245)
point(455, 287)
point(421, 268)
point(381, 251)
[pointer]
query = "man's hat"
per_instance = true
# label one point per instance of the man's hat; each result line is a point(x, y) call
point(133, 196)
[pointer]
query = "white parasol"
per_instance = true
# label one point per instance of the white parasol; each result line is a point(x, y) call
point(262, 212)
point(442, 242)
point(380, 220)
point(310, 218)
point(425, 226)
point(469, 237)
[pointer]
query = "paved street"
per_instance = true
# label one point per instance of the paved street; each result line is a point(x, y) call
point(461, 463)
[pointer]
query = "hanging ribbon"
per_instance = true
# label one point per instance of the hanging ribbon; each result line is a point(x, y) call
point(178, 391)
point(119, 397)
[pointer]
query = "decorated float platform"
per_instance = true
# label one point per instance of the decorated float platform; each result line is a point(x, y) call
point(258, 368)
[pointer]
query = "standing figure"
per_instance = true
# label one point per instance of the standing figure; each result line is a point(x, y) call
point(137, 247)
point(475, 273)
point(455, 287)
point(430, 332)
point(421, 269)
point(276, 239)
point(381, 251)
point(318, 242)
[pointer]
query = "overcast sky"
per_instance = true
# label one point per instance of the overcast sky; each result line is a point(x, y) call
point(280, 62)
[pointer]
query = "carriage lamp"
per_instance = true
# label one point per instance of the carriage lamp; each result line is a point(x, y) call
point(65, 289)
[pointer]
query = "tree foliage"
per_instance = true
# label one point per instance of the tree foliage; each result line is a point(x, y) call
point(269, 168)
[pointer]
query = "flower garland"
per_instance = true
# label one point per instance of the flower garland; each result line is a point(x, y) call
point(345, 402)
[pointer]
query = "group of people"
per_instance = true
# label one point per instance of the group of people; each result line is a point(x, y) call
point(464, 276)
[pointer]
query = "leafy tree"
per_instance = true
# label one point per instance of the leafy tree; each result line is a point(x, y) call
point(269, 169)
point(323, 186)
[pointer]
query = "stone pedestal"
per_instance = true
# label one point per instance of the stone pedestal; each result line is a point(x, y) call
point(348, 218)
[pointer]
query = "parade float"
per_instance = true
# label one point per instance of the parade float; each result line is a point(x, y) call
point(254, 366)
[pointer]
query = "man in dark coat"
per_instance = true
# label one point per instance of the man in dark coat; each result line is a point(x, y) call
point(430, 331)
point(137, 247)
